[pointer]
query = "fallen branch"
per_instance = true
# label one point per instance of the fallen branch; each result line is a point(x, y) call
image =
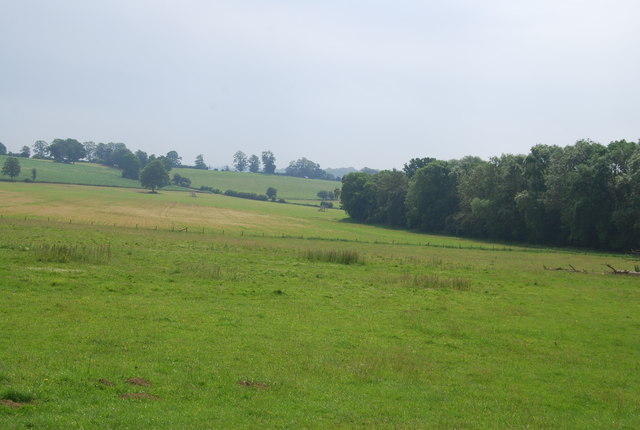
point(622, 272)
point(571, 269)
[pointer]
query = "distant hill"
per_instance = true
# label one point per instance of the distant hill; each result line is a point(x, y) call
point(82, 173)
point(340, 171)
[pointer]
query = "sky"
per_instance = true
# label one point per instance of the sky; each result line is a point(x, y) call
point(343, 83)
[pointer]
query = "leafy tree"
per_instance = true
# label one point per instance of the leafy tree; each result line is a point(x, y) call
point(336, 193)
point(25, 152)
point(240, 161)
point(40, 149)
point(414, 164)
point(431, 197)
point(358, 195)
point(166, 162)
point(304, 168)
point(143, 158)
point(199, 163)
point(174, 158)
point(181, 181)
point(128, 162)
point(324, 205)
point(154, 175)
point(272, 193)
point(104, 152)
point(390, 187)
point(254, 164)
point(3, 149)
point(268, 162)
point(369, 171)
point(326, 195)
point(11, 167)
point(90, 148)
point(66, 150)
point(34, 173)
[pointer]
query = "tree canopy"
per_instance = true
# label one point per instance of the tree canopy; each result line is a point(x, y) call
point(154, 175)
point(11, 167)
point(586, 194)
point(268, 162)
point(240, 161)
point(304, 168)
point(66, 150)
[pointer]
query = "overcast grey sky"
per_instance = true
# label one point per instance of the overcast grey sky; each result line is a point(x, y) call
point(343, 83)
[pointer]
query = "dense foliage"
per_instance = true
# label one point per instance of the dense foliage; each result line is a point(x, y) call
point(584, 195)
point(154, 175)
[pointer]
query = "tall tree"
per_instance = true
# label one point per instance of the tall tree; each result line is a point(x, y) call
point(303, 168)
point(254, 164)
point(40, 148)
point(358, 195)
point(25, 152)
point(175, 159)
point(272, 193)
point(390, 187)
point(240, 161)
point(142, 157)
point(268, 162)
point(67, 150)
point(154, 175)
point(129, 163)
point(199, 163)
point(431, 197)
point(3, 149)
point(11, 167)
point(414, 164)
point(90, 148)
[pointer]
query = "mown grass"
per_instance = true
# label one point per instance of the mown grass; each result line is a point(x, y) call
point(236, 330)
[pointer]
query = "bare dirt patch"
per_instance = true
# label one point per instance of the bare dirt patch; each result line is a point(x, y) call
point(12, 404)
point(139, 381)
point(246, 383)
point(106, 382)
point(139, 396)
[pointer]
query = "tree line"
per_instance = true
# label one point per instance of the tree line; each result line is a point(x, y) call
point(585, 195)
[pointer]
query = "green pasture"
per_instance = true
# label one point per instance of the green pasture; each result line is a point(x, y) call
point(77, 173)
point(246, 320)
point(289, 188)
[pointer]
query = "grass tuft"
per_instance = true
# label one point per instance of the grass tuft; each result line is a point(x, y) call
point(334, 256)
point(437, 282)
point(17, 396)
point(62, 253)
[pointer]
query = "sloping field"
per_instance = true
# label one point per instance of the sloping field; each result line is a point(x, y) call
point(177, 210)
point(94, 174)
point(77, 173)
point(105, 326)
point(288, 187)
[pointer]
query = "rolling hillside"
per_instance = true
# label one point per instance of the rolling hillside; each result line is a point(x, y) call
point(289, 188)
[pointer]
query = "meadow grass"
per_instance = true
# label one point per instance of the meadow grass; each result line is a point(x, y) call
point(237, 330)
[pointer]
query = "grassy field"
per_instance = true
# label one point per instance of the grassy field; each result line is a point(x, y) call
point(94, 174)
point(78, 173)
point(227, 328)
